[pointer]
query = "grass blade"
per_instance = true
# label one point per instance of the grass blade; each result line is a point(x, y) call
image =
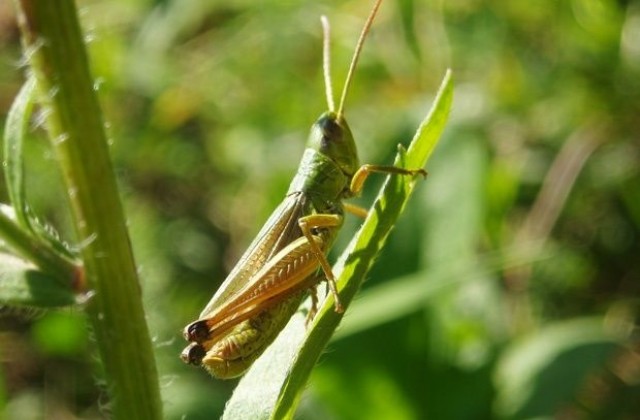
point(273, 386)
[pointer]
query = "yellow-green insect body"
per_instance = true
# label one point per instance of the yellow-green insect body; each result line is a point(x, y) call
point(235, 353)
point(281, 256)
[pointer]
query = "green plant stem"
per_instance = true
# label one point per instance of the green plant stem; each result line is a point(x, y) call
point(55, 49)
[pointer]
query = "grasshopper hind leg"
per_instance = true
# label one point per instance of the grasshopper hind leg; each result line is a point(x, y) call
point(313, 310)
point(308, 225)
point(231, 356)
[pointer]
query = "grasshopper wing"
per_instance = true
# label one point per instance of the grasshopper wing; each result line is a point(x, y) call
point(279, 231)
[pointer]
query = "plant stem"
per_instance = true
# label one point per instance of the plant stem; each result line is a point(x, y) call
point(55, 49)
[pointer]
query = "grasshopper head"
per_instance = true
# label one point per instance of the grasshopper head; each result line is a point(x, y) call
point(331, 136)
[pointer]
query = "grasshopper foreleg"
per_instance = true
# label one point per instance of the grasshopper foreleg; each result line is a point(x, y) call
point(365, 170)
point(361, 212)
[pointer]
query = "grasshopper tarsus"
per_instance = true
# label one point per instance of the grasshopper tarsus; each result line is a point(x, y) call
point(422, 172)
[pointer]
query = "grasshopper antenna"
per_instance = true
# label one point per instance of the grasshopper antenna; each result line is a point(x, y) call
point(356, 55)
point(326, 62)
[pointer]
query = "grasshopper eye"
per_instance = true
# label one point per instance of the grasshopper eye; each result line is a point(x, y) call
point(331, 137)
point(331, 131)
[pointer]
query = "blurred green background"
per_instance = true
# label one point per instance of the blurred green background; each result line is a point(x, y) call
point(508, 290)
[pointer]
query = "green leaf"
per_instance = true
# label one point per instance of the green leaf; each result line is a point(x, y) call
point(18, 227)
point(23, 285)
point(539, 373)
point(26, 244)
point(14, 136)
point(17, 123)
point(274, 384)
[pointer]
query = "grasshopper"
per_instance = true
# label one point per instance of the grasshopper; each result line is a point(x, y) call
point(288, 256)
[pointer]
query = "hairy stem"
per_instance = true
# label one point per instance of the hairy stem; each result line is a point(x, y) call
point(56, 52)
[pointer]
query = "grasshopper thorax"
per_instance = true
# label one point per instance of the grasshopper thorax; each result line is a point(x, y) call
point(331, 137)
